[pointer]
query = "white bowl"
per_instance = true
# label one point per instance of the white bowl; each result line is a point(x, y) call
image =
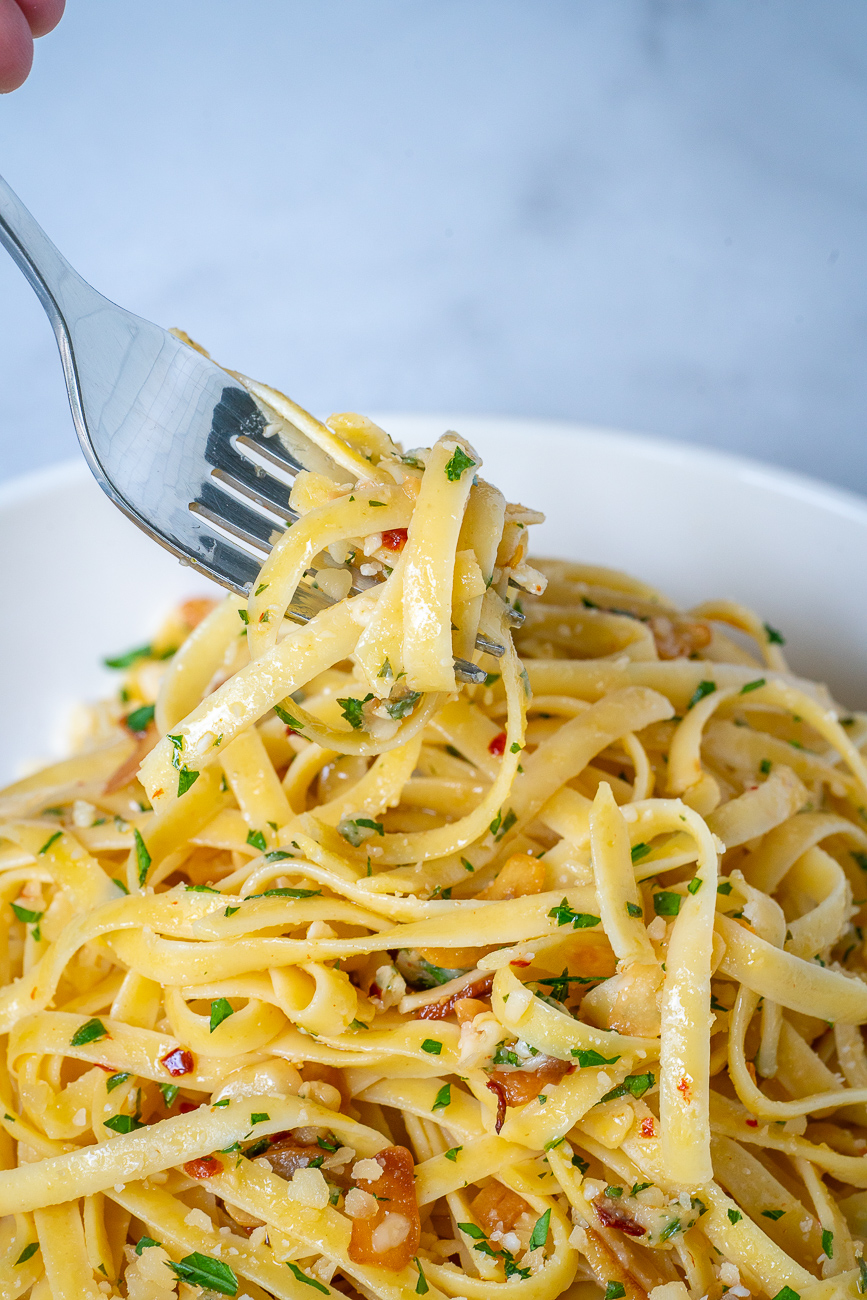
point(78, 581)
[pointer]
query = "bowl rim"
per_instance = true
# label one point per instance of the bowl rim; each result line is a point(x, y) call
point(23, 488)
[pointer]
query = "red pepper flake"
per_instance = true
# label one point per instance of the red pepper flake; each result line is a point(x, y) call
point(394, 539)
point(290, 731)
point(500, 1093)
point(178, 1062)
point(498, 744)
point(159, 793)
point(648, 1128)
point(519, 962)
point(205, 1167)
point(610, 1219)
point(752, 1123)
point(186, 1106)
point(684, 1089)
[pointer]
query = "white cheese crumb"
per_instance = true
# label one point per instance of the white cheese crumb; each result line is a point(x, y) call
point(359, 1204)
point(80, 1118)
point(308, 1187)
point(390, 1233)
point(369, 1169)
point(656, 929)
point(198, 1219)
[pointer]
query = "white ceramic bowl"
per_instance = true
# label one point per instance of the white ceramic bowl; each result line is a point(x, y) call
point(78, 581)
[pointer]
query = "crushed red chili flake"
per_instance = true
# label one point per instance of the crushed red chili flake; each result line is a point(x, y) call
point(648, 1128)
point(498, 744)
point(290, 731)
point(178, 1062)
point(610, 1219)
point(752, 1123)
point(186, 1106)
point(394, 539)
point(519, 963)
point(204, 1167)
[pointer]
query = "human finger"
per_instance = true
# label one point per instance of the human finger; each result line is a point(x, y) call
point(42, 15)
point(16, 46)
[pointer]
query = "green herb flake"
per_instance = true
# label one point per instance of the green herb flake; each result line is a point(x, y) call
point(666, 903)
point(564, 915)
point(221, 1009)
point(613, 1192)
point(735, 1216)
point(26, 915)
point(862, 1278)
point(142, 857)
point(52, 839)
point(259, 1117)
point(141, 718)
point(170, 1092)
point(244, 617)
point(403, 707)
point(287, 718)
point(376, 503)
point(115, 1080)
point(633, 909)
point(230, 911)
point(828, 1243)
point(467, 866)
point(788, 1294)
point(774, 637)
point(90, 1032)
point(614, 1291)
point(636, 1085)
point(670, 1229)
point(186, 778)
point(588, 1056)
point(639, 851)
point(432, 1045)
point(639, 1187)
point(443, 1097)
point(703, 689)
point(725, 887)
point(256, 840)
point(539, 1234)
point(773, 1214)
point(28, 1252)
point(353, 710)
point(128, 659)
point(753, 686)
point(694, 885)
point(208, 1273)
point(421, 1286)
point(459, 462)
point(300, 1276)
point(123, 1124)
point(121, 886)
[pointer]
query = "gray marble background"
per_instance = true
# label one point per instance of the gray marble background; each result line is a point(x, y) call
point(648, 214)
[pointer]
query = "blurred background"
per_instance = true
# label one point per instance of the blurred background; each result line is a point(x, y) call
point(648, 214)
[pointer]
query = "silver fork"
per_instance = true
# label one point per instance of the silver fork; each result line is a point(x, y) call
point(177, 444)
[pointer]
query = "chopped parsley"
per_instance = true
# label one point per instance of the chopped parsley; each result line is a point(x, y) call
point(564, 915)
point(670, 1229)
point(636, 1085)
point(288, 718)
point(459, 462)
point(52, 839)
point(244, 616)
point(404, 706)
point(639, 1187)
point(143, 1243)
point(539, 1234)
point(735, 1216)
point(633, 909)
point(828, 1243)
point(774, 637)
point(170, 1092)
point(256, 840)
point(468, 866)
point(614, 1291)
point(115, 1080)
point(694, 885)
point(752, 686)
point(208, 1273)
point(504, 1055)
point(725, 887)
point(90, 1032)
point(141, 718)
point(186, 778)
point(128, 659)
point(765, 766)
point(773, 1214)
point(302, 1277)
point(588, 1056)
point(26, 915)
point(421, 1286)
point(639, 851)
point(432, 1045)
point(703, 689)
point(28, 1252)
point(452, 1153)
point(142, 857)
point(263, 586)
point(123, 1124)
point(353, 710)
point(221, 1009)
point(356, 830)
point(666, 903)
point(259, 1117)
point(443, 1097)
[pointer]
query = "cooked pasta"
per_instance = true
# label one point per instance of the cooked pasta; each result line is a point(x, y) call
point(325, 971)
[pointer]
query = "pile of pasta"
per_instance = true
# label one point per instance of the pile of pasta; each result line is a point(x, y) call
point(324, 971)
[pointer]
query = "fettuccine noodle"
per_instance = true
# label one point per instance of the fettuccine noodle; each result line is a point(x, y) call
point(326, 972)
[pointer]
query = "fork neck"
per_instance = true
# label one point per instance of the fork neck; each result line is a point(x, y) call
point(60, 289)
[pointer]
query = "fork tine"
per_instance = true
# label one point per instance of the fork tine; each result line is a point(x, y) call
point(258, 490)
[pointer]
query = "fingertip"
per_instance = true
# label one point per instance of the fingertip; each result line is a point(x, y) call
point(16, 47)
point(42, 15)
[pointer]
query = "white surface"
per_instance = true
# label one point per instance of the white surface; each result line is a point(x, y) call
point(644, 214)
point(697, 524)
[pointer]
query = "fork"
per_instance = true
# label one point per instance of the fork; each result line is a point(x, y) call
point(178, 445)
